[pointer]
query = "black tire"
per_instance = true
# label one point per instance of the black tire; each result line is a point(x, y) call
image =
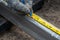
point(5, 25)
point(38, 5)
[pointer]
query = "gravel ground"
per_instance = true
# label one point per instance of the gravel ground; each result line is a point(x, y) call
point(15, 33)
point(50, 12)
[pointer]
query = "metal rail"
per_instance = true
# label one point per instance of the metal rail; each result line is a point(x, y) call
point(30, 26)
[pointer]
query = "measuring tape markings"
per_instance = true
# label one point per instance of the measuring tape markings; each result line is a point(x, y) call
point(46, 24)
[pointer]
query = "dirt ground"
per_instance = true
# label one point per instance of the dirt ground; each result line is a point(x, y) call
point(15, 33)
point(50, 12)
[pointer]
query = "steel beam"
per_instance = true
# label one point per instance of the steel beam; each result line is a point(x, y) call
point(25, 24)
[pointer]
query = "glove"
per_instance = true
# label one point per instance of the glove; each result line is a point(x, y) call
point(5, 3)
point(18, 5)
point(28, 3)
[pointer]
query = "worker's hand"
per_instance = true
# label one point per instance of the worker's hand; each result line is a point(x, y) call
point(29, 4)
point(18, 5)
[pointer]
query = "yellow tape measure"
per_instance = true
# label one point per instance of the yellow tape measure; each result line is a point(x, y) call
point(46, 24)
